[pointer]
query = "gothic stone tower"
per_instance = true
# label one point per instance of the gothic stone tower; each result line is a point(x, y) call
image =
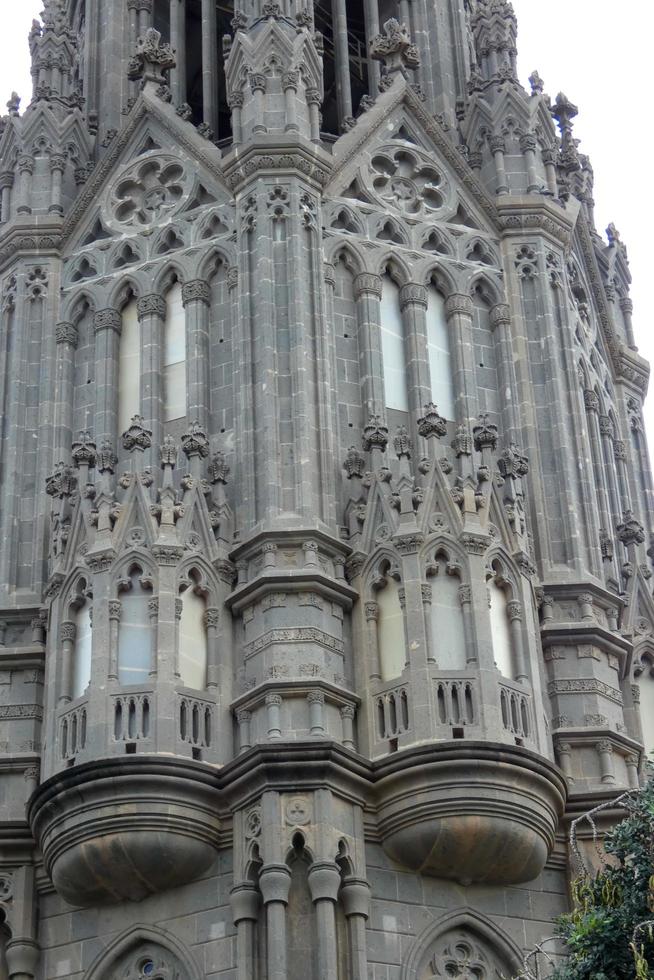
point(325, 597)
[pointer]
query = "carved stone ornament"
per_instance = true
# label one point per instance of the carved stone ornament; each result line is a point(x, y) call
point(408, 182)
point(137, 436)
point(84, 450)
point(485, 433)
point(298, 811)
point(375, 434)
point(354, 463)
point(432, 425)
point(195, 441)
point(461, 956)
point(253, 822)
point(631, 531)
point(513, 463)
point(152, 59)
point(149, 962)
point(395, 49)
point(148, 191)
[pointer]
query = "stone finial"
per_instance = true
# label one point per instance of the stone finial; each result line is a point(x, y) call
point(153, 58)
point(137, 436)
point(195, 442)
point(375, 434)
point(395, 49)
point(84, 450)
point(513, 463)
point(218, 468)
point(631, 531)
point(168, 452)
point(354, 463)
point(462, 442)
point(432, 425)
point(402, 443)
point(485, 433)
point(61, 483)
point(537, 84)
point(13, 105)
point(107, 459)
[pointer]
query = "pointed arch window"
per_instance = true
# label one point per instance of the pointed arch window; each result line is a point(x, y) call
point(393, 353)
point(448, 636)
point(390, 630)
point(174, 359)
point(645, 680)
point(440, 355)
point(129, 367)
point(82, 650)
point(500, 629)
point(134, 634)
point(193, 647)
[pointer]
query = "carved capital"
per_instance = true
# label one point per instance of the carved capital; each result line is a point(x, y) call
point(458, 304)
point(108, 320)
point(197, 290)
point(413, 294)
point(67, 333)
point(68, 632)
point(151, 305)
point(591, 401)
point(115, 608)
point(371, 610)
point(500, 315)
point(316, 697)
point(367, 283)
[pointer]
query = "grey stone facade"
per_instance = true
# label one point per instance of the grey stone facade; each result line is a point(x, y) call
point(308, 679)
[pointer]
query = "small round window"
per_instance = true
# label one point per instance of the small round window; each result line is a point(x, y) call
point(147, 968)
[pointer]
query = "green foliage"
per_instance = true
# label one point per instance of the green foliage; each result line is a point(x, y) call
point(609, 935)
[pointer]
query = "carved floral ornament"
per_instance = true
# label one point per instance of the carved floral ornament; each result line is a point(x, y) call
point(459, 956)
point(151, 189)
point(406, 181)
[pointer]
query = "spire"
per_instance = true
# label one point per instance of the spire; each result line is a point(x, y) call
point(495, 27)
point(53, 48)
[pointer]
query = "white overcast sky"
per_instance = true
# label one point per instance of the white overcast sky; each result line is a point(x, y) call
point(595, 51)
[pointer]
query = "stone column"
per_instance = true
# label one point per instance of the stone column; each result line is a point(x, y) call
point(371, 19)
point(196, 297)
point(514, 612)
point(210, 65)
point(290, 82)
point(413, 304)
point(6, 184)
point(372, 618)
point(528, 144)
point(244, 900)
point(244, 718)
point(22, 950)
point(67, 339)
point(355, 898)
point(591, 403)
point(427, 596)
point(605, 752)
point(67, 635)
point(342, 61)
point(458, 309)
point(498, 148)
point(57, 169)
point(347, 716)
point(115, 609)
point(314, 101)
point(212, 622)
point(316, 701)
point(25, 164)
point(145, 15)
point(500, 322)
point(564, 753)
point(275, 883)
point(153, 614)
point(235, 101)
point(368, 292)
point(631, 762)
point(465, 599)
point(178, 44)
point(549, 162)
point(627, 307)
point(620, 454)
point(273, 706)
point(152, 315)
point(108, 325)
point(324, 882)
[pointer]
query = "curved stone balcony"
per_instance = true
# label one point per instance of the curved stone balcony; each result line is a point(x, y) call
point(472, 812)
point(118, 830)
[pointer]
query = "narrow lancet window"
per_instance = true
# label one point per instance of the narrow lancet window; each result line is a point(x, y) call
point(440, 357)
point(82, 654)
point(129, 368)
point(134, 635)
point(390, 631)
point(193, 641)
point(448, 637)
point(500, 630)
point(175, 356)
point(393, 354)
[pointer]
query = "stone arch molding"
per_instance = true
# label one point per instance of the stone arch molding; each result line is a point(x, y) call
point(144, 953)
point(462, 945)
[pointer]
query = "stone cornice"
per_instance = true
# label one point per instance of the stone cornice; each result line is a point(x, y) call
point(292, 580)
point(36, 236)
point(530, 214)
point(302, 159)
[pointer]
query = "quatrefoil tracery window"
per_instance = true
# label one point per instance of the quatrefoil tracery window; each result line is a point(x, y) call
point(407, 183)
point(459, 956)
point(149, 964)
